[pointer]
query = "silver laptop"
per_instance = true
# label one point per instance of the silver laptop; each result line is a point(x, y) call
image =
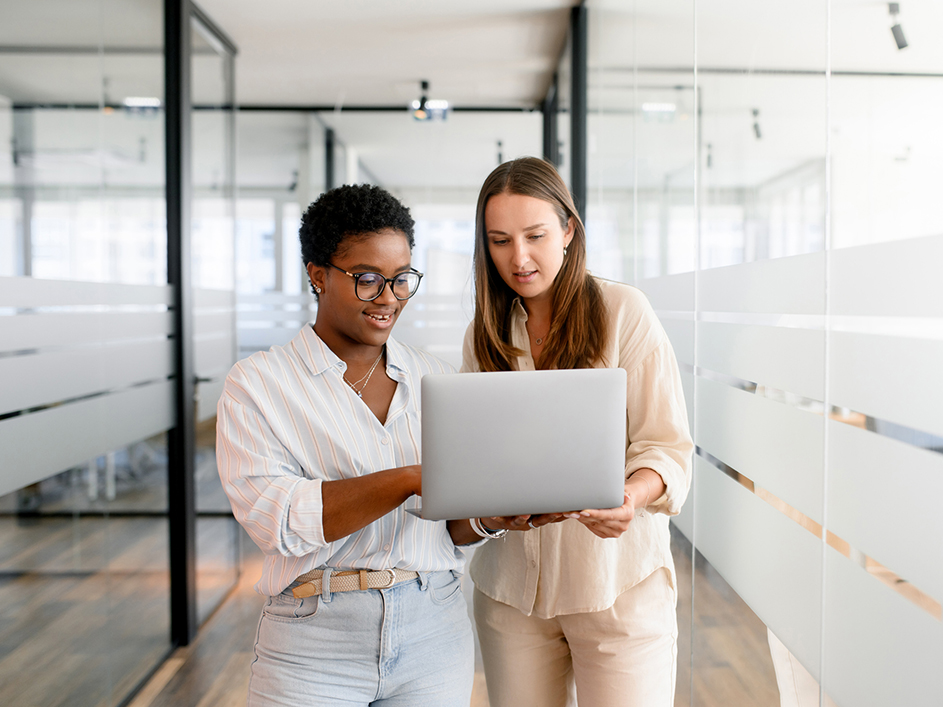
point(515, 443)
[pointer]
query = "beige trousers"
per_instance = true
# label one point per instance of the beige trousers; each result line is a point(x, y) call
point(624, 656)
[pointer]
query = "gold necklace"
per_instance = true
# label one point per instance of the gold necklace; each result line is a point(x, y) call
point(365, 379)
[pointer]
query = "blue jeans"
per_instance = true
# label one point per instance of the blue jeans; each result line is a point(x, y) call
point(407, 645)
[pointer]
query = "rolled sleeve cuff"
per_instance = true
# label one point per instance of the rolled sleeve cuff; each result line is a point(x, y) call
point(305, 517)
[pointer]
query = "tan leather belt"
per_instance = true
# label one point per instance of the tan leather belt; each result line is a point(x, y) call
point(349, 581)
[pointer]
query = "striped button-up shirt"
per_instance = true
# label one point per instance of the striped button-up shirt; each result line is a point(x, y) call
point(287, 422)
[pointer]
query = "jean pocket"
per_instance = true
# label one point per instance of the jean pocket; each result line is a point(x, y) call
point(289, 609)
point(445, 587)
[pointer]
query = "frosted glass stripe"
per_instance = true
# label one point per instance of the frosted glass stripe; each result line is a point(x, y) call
point(778, 446)
point(895, 279)
point(206, 299)
point(891, 378)
point(879, 648)
point(214, 323)
point(770, 561)
point(681, 334)
point(278, 315)
point(41, 379)
point(871, 476)
point(684, 521)
point(258, 338)
point(34, 331)
point(793, 285)
point(213, 355)
point(207, 395)
point(687, 385)
point(80, 431)
point(34, 292)
point(670, 292)
point(778, 357)
point(275, 298)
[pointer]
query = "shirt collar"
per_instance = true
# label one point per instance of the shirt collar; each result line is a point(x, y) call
point(518, 313)
point(318, 357)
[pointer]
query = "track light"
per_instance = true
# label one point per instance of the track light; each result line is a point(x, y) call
point(756, 123)
point(419, 111)
point(426, 108)
point(894, 9)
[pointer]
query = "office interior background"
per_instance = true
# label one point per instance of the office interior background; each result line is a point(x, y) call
point(768, 173)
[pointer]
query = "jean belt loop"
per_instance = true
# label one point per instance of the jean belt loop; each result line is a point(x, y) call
point(326, 585)
point(423, 581)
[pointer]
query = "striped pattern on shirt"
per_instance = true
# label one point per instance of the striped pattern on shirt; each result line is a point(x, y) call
point(287, 422)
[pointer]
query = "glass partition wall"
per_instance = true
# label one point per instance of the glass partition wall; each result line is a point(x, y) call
point(767, 173)
point(84, 353)
point(87, 364)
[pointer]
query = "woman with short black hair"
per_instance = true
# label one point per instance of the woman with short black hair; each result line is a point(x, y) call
point(318, 445)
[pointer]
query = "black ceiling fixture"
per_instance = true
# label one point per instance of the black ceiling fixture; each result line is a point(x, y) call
point(894, 9)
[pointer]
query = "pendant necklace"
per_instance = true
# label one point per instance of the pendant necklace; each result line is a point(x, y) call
point(365, 379)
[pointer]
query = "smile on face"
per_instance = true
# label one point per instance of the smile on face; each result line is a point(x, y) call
point(342, 317)
point(526, 242)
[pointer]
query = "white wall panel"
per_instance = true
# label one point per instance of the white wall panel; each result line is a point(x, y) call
point(778, 446)
point(901, 278)
point(670, 292)
point(44, 443)
point(33, 292)
point(34, 331)
point(891, 378)
point(779, 357)
point(871, 477)
point(41, 379)
point(880, 649)
point(794, 285)
point(769, 560)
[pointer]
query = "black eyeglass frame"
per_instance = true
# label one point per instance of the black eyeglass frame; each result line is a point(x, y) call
point(386, 281)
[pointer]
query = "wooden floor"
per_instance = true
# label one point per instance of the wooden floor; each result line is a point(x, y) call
point(731, 667)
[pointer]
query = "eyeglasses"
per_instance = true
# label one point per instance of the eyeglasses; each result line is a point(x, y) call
point(370, 285)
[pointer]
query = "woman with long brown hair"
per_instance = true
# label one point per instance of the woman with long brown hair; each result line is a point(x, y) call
point(583, 602)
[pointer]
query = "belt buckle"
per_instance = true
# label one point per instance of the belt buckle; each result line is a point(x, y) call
point(392, 579)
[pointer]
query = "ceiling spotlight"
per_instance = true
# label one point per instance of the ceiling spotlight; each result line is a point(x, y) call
point(419, 107)
point(894, 9)
point(428, 108)
point(756, 123)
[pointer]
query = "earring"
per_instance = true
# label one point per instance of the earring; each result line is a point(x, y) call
point(317, 289)
point(564, 251)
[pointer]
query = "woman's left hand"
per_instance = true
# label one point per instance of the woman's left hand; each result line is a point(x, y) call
point(607, 522)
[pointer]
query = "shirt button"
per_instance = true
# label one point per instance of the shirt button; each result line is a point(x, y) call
point(386, 547)
point(385, 440)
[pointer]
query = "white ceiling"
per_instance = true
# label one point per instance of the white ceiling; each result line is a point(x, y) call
point(375, 52)
point(501, 53)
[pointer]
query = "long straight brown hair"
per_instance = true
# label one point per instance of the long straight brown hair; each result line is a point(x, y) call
point(578, 323)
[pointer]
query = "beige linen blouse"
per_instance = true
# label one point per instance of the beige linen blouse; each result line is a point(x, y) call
point(562, 568)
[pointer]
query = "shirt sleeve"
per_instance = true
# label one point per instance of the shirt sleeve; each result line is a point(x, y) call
point(278, 506)
point(658, 433)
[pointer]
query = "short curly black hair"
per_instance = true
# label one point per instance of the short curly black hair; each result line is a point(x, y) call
point(350, 210)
